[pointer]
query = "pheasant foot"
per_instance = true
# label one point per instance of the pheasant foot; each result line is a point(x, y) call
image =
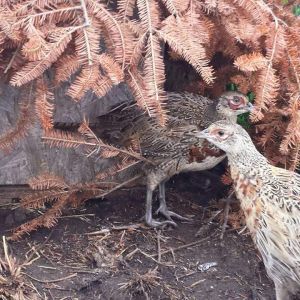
point(163, 210)
point(154, 223)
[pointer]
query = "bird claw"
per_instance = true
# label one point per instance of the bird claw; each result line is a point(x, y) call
point(154, 224)
point(170, 214)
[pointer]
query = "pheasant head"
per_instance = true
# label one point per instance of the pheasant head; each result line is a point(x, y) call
point(228, 136)
point(232, 104)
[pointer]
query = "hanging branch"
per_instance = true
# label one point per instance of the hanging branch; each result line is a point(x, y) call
point(94, 144)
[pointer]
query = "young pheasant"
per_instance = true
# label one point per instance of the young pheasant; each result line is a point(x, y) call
point(270, 199)
point(169, 149)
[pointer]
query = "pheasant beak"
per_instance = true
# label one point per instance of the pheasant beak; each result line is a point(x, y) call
point(204, 134)
point(249, 107)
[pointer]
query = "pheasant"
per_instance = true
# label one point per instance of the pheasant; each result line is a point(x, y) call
point(270, 199)
point(169, 149)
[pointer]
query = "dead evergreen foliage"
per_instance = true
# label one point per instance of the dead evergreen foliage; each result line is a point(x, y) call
point(13, 284)
point(142, 284)
point(100, 44)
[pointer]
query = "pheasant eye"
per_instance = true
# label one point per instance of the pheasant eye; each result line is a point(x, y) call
point(221, 133)
point(236, 100)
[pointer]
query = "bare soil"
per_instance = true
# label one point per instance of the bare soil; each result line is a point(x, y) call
point(103, 251)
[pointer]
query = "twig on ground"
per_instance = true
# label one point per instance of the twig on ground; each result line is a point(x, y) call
point(197, 282)
point(128, 256)
point(76, 216)
point(173, 255)
point(186, 275)
point(184, 246)
point(158, 247)
point(53, 280)
point(37, 249)
point(117, 228)
point(117, 187)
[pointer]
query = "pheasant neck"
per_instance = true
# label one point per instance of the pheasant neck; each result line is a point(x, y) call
point(223, 114)
point(231, 118)
point(248, 160)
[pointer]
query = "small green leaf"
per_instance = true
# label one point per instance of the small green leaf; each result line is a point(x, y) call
point(243, 120)
point(285, 2)
point(251, 96)
point(296, 10)
point(231, 87)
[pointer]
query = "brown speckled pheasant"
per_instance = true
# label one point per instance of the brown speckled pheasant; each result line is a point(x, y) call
point(270, 199)
point(169, 148)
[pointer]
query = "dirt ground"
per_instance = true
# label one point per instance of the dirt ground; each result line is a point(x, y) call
point(103, 251)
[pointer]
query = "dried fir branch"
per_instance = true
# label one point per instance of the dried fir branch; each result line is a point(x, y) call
point(44, 105)
point(256, 10)
point(171, 7)
point(36, 46)
point(113, 27)
point(87, 42)
point(149, 15)
point(63, 13)
point(153, 71)
point(7, 20)
point(294, 158)
point(276, 44)
point(293, 52)
point(46, 220)
point(136, 84)
point(245, 82)
point(59, 40)
point(181, 37)
point(39, 198)
point(266, 91)
point(99, 145)
point(111, 68)
point(126, 8)
point(115, 169)
point(59, 138)
point(154, 76)
point(85, 81)
point(61, 195)
point(87, 132)
point(138, 51)
point(21, 128)
point(86, 139)
point(47, 181)
point(131, 32)
point(66, 66)
point(251, 62)
point(291, 139)
point(102, 86)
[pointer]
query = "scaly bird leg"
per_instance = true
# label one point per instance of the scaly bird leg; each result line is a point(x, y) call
point(163, 205)
point(148, 216)
point(282, 292)
point(226, 213)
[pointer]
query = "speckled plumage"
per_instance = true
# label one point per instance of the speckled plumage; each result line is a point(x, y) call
point(172, 149)
point(186, 112)
point(270, 199)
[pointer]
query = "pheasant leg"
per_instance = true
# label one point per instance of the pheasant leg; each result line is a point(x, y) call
point(281, 292)
point(163, 205)
point(226, 213)
point(148, 216)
